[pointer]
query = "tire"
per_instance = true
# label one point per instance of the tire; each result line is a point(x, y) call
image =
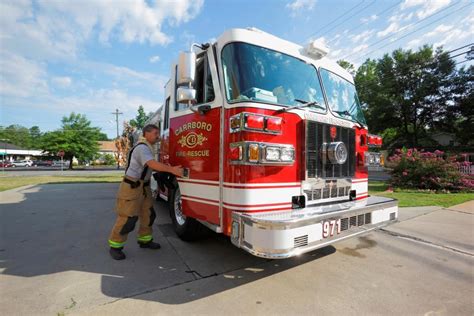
point(187, 229)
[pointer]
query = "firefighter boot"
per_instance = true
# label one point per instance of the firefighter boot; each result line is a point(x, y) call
point(150, 245)
point(117, 253)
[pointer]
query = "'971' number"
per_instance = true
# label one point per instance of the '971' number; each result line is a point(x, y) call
point(331, 227)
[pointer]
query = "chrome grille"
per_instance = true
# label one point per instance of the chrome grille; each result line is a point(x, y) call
point(317, 165)
point(327, 192)
point(301, 241)
point(353, 221)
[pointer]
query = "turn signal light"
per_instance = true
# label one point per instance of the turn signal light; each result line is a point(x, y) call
point(254, 121)
point(254, 152)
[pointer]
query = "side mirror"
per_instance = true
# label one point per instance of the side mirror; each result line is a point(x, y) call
point(186, 68)
point(186, 95)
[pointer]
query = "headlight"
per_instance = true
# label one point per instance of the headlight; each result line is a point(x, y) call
point(371, 159)
point(287, 154)
point(272, 153)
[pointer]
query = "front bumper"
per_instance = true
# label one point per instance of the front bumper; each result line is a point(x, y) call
point(284, 234)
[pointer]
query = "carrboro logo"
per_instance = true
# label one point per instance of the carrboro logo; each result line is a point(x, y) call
point(192, 139)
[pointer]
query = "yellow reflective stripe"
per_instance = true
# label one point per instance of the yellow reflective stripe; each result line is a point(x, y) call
point(145, 238)
point(115, 244)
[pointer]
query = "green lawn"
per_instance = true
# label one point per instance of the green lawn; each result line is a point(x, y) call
point(414, 198)
point(7, 183)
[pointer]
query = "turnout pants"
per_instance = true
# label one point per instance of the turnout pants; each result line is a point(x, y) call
point(134, 203)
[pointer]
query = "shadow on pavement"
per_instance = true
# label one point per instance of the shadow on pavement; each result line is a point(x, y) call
point(52, 229)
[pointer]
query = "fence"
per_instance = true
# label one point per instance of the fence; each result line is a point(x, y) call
point(469, 170)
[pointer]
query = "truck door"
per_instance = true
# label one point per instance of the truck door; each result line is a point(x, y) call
point(195, 144)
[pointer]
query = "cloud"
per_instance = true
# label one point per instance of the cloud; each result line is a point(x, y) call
point(368, 19)
point(297, 6)
point(62, 82)
point(59, 29)
point(154, 59)
point(391, 28)
point(427, 7)
point(20, 77)
point(362, 37)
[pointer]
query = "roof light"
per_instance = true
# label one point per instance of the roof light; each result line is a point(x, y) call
point(316, 49)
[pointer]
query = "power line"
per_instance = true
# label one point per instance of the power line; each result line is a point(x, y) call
point(400, 30)
point(377, 14)
point(336, 19)
point(408, 34)
point(348, 19)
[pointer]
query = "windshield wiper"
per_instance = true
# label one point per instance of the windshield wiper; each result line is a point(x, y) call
point(345, 112)
point(304, 104)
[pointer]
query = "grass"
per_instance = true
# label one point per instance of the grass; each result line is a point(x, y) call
point(9, 182)
point(408, 198)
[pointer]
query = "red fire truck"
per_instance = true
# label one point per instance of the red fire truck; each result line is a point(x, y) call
point(274, 143)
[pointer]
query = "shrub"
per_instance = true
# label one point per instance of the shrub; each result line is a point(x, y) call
point(414, 169)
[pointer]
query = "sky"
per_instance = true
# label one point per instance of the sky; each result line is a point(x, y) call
point(93, 57)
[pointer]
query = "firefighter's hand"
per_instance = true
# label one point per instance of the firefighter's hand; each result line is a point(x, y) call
point(177, 171)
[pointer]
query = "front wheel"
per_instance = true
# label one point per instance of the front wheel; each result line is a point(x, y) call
point(186, 228)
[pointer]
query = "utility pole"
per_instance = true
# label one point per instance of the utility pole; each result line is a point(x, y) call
point(117, 113)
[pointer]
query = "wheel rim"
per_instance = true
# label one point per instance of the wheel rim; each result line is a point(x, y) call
point(178, 211)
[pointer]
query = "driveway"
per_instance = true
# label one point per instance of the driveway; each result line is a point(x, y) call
point(54, 260)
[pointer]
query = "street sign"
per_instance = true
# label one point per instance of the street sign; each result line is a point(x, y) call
point(61, 153)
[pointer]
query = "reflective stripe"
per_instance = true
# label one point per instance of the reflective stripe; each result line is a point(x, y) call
point(145, 238)
point(115, 244)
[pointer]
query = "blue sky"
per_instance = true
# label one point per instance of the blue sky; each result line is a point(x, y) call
point(92, 57)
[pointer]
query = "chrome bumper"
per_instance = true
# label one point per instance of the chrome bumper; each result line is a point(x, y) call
point(284, 234)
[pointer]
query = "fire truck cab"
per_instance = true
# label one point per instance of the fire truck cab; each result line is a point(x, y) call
point(274, 143)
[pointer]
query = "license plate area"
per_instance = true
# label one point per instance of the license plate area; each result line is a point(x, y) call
point(331, 227)
point(334, 226)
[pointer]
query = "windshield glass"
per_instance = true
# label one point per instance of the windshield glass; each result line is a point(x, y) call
point(342, 96)
point(254, 73)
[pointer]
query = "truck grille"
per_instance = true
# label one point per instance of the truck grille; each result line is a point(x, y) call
point(353, 221)
point(317, 165)
point(327, 192)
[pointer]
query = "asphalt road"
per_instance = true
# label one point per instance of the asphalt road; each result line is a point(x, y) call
point(40, 171)
point(53, 259)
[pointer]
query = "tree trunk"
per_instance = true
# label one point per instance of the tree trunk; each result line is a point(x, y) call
point(70, 162)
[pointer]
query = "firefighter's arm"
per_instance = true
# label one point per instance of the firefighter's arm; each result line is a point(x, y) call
point(158, 166)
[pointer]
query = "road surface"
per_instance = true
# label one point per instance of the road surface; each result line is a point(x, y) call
point(54, 260)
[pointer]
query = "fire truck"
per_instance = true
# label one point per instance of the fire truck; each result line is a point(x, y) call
point(274, 144)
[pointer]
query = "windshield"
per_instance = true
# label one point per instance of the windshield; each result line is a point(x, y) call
point(263, 75)
point(342, 96)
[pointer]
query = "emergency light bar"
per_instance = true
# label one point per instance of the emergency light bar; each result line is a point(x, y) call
point(316, 49)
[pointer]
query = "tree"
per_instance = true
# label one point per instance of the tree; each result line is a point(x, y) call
point(35, 137)
point(77, 138)
point(140, 119)
point(17, 135)
point(408, 91)
point(347, 66)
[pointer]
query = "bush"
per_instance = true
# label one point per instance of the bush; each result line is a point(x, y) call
point(414, 169)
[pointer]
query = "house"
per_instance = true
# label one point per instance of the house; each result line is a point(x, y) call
point(10, 152)
point(445, 139)
point(107, 147)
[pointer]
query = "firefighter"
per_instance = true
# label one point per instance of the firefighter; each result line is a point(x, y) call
point(134, 199)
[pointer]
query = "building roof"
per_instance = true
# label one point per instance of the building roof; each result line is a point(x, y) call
point(108, 145)
point(4, 145)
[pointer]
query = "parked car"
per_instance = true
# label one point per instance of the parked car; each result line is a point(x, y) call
point(5, 164)
point(22, 163)
point(43, 163)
